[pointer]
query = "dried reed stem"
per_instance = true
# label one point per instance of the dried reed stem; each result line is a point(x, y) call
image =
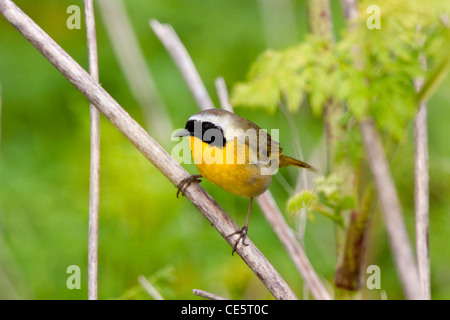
point(421, 191)
point(222, 92)
point(293, 247)
point(94, 173)
point(207, 295)
point(180, 56)
point(132, 62)
point(149, 288)
point(392, 211)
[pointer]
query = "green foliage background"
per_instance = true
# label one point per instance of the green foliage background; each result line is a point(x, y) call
point(144, 229)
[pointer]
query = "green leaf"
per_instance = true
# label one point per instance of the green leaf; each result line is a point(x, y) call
point(300, 200)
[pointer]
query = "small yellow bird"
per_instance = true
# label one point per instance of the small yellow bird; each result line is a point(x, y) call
point(234, 154)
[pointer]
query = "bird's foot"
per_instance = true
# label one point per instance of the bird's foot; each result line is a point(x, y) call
point(242, 236)
point(186, 183)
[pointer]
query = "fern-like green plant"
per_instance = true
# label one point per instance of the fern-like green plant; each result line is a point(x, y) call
point(381, 87)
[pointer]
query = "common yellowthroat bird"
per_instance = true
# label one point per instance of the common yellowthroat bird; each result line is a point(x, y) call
point(234, 154)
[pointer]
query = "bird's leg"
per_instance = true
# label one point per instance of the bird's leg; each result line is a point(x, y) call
point(186, 182)
point(243, 232)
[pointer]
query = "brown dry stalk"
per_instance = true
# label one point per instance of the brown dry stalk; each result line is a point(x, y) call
point(94, 174)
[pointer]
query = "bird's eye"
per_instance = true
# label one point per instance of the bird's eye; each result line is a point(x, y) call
point(212, 134)
point(207, 126)
point(190, 126)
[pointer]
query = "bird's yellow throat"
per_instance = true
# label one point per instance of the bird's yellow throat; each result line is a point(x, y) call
point(224, 169)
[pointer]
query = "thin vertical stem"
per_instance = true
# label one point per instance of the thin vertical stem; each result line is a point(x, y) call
point(319, 19)
point(421, 192)
point(421, 198)
point(222, 92)
point(350, 8)
point(94, 181)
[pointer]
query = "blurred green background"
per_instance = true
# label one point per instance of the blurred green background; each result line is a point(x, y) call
point(144, 228)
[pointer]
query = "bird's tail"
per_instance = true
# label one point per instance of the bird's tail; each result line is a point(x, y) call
point(288, 161)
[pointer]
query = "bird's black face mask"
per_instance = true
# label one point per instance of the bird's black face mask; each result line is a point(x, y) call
point(207, 132)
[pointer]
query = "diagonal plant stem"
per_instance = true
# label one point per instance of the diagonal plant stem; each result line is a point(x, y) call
point(207, 295)
point(171, 169)
point(94, 174)
point(293, 247)
point(134, 67)
point(181, 57)
point(392, 211)
point(151, 290)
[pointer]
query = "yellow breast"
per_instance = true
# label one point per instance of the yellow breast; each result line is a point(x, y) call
point(229, 167)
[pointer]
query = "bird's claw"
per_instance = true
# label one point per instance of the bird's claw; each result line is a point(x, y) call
point(186, 183)
point(242, 236)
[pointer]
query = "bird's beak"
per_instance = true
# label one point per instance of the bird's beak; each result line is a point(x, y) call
point(182, 133)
